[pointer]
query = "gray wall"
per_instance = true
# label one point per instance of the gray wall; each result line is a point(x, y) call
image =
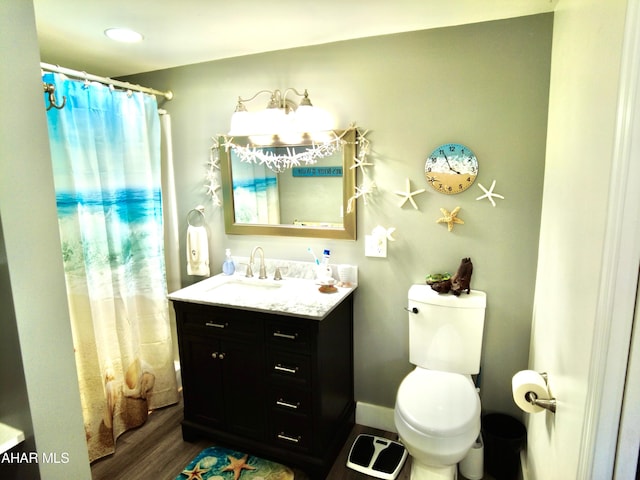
point(484, 85)
point(33, 309)
point(14, 401)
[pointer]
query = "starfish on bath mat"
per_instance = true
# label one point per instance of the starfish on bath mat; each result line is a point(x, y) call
point(236, 466)
point(196, 473)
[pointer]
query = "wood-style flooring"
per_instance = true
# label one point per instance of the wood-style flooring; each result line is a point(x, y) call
point(156, 451)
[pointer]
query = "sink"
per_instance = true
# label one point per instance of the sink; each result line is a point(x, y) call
point(244, 286)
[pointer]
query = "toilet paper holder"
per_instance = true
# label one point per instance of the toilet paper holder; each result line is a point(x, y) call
point(548, 404)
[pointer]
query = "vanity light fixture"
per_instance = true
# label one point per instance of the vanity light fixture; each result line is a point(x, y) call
point(281, 117)
point(125, 35)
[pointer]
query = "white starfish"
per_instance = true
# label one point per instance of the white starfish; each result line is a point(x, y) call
point(362, 134)
point(361, 191)
point(408, 195)
point(228, 143)
point(359, 162)
point(212, 186)
point(214, 161)
point(489, 193)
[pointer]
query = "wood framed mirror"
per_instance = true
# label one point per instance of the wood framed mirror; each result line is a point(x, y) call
point(303, 200)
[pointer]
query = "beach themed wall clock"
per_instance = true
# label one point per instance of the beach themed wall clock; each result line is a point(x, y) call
point(451, 168)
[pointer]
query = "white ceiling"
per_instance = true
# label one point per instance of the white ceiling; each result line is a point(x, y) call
point(182, 32)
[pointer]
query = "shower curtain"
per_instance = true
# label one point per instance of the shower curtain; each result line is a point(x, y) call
point(105, 147)
point(255, 193)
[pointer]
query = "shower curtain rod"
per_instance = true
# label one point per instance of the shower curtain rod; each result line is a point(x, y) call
point(108, 81)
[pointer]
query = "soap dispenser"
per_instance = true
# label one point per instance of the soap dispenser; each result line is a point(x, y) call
point(228, 267)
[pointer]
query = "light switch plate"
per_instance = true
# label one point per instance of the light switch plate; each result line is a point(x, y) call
point(375, 246)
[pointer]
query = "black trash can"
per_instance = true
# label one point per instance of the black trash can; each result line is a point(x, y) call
point(504, 437)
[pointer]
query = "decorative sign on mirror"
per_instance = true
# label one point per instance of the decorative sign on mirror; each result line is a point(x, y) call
point(300, 190)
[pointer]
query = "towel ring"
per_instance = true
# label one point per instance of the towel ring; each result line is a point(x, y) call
point(200, 211)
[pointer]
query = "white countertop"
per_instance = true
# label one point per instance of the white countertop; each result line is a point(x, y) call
point(290, 296)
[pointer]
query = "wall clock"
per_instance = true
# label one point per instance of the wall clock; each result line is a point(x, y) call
point(451, 168)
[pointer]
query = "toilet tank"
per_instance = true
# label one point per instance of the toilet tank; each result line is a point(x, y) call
point(445, 331)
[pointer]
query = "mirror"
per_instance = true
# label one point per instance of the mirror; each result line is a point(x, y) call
point(304, 200)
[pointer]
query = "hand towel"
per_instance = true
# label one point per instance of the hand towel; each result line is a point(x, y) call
point(197, 251)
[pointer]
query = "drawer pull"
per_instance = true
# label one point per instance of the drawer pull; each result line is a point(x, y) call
point(279, 367)
point(282, 403)
point(217, 325)
point(285, 335)
point(282, 436)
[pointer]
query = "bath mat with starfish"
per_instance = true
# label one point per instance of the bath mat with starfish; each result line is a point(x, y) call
point(216, 463)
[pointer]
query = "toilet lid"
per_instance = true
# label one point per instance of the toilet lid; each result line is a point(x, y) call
point(438, 403)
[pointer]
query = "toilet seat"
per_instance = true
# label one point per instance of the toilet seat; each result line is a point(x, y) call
point(438, 404)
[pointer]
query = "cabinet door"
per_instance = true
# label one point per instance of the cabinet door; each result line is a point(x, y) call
point(202, 375)
point(244, 388)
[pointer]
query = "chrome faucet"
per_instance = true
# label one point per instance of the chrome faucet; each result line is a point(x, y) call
point(263, 270)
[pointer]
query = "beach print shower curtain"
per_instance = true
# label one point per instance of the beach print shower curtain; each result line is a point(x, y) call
point(105, 147)
point(255, 193)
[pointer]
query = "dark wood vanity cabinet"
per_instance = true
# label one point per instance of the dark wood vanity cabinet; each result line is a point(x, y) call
point(272, 385)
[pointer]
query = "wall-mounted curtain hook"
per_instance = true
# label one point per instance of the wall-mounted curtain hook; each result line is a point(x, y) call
point(50, 89)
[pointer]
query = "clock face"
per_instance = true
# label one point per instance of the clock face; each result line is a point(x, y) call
point(451, 168)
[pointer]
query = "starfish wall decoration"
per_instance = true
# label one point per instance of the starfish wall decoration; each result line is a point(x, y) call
point(278, 162)
point(360, 163)
point(450, 218)
point(361, 191)
point(408, 195)
point(368, 185)
point(213, 171)
point(228, 142)
point(214, 157)
point(212, 189)
point(489, 193)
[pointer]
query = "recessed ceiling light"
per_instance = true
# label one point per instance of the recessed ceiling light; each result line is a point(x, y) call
point(123, 35)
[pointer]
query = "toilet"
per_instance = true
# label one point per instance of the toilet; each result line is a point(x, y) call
point(437, 411)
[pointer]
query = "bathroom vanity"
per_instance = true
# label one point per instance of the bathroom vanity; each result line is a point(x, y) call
point(267, 368)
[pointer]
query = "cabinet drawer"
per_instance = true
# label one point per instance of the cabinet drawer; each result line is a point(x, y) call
point(291, 430)
point(287, 399)
point(220, 322)
point(289, 367)
point(288, 335)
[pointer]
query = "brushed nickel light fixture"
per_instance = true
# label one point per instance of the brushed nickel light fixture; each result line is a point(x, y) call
point(282, 117)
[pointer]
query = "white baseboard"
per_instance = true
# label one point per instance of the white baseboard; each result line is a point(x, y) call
point(176, 365)
point(375, 416)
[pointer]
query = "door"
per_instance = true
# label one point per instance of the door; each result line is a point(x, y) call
point(244, 388)
point(202, 376)
point(224, 384)
point(589, 241)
